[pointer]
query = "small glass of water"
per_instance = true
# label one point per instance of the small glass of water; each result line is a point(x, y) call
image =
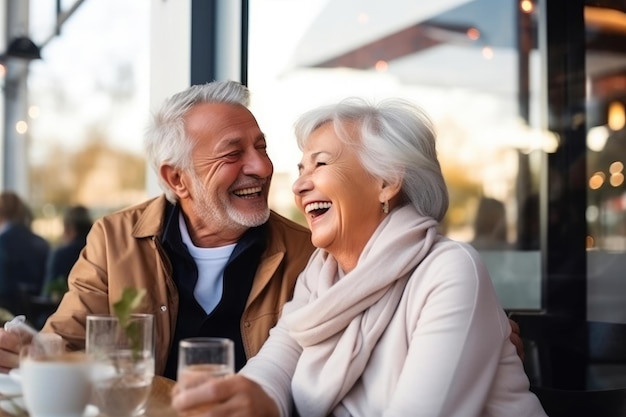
point(201, 358)
point(123, 363)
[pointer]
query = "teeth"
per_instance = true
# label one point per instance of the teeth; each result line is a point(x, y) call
point(248, 191)
point(317, 206)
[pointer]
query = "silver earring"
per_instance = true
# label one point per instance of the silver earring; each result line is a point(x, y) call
point(386, 207)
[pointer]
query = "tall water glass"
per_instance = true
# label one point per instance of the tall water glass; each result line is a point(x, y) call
point(124, 363)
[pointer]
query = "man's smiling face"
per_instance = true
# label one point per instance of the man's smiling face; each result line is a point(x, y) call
point(232, 171)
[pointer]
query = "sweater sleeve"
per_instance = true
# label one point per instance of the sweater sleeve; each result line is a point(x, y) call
point(273, 367)
point(457, 330)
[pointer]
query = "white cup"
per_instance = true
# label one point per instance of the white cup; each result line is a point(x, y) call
point(55, 386)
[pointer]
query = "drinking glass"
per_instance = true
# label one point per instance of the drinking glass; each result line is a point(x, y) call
point(124, 363)
point(201, 358)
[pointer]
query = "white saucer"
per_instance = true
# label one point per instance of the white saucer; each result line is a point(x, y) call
point(9, 386)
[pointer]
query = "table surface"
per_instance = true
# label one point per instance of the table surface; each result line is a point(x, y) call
point(160, 398)
point(158, 402)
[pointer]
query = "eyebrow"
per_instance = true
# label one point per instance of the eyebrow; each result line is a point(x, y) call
point(313, 156)
point(225, 144)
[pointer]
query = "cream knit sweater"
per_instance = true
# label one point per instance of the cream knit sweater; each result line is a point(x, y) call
point(415, 329)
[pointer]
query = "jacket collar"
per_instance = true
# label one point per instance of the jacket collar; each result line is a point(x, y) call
point(150, 222)
point(271, 258)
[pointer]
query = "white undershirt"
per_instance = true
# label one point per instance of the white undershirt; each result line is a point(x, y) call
point(211, 263)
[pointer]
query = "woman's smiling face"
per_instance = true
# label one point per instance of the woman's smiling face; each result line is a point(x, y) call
point(339, 198)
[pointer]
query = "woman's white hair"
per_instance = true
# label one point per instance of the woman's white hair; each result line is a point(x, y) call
point(397, 140)
point(166, 141)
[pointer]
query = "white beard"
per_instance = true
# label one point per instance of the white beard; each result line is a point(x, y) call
point(214, 210)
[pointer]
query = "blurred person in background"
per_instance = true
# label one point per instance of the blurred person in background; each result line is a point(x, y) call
point(23, 254)
point(490, 225)
point(76, 225)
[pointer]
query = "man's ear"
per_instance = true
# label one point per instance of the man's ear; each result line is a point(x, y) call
point(175, 179)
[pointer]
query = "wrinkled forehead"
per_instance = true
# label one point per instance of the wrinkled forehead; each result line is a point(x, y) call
point(218, 121)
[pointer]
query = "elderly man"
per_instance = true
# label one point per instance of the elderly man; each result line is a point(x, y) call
point(214, 259)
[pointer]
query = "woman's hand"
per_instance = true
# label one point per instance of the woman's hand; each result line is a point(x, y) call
point(516, 338)
point(234, 396)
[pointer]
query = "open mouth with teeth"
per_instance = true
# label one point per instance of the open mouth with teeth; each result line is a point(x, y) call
point(317, 208)
point(251, 192)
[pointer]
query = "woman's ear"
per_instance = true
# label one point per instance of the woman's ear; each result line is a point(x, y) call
point(175, 180)
point(390, 189)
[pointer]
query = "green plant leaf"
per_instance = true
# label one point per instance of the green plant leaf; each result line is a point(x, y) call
point(131, 299)
point(123, 309)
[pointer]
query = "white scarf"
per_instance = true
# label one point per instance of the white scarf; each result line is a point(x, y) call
point(344, 318)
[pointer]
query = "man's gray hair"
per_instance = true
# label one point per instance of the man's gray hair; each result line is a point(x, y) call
point(166, 141)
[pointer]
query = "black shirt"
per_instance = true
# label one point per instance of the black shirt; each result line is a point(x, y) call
point(225, 319)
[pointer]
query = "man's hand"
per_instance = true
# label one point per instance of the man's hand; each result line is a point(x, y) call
point(228, 396)
point(516, 338)
point(10, 344)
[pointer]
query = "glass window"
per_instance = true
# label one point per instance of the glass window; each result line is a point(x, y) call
point(474, 67)
point(88, 102)
point(605, 75)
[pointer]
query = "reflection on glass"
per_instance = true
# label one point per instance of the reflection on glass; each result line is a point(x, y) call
point(606, 152)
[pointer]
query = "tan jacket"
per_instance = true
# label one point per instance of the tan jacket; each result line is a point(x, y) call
point(124, 250)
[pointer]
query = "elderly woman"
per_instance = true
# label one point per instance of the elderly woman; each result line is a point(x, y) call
point(389, 317)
